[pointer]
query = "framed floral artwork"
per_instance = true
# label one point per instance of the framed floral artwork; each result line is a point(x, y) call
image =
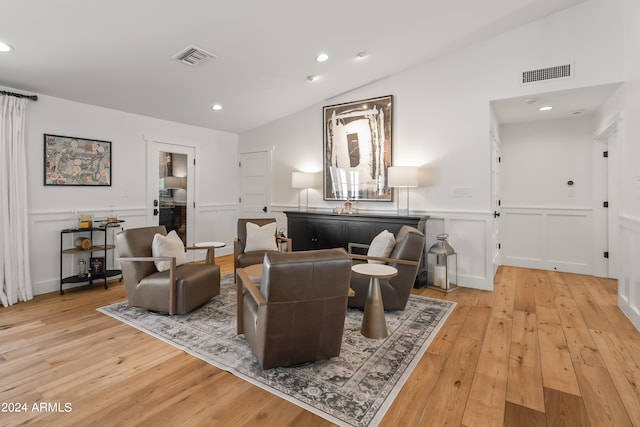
point(76, 161)
point(357, 150)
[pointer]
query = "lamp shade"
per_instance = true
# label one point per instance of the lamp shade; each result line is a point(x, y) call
point(403, 176)
point(174, 182)
point(303, 180)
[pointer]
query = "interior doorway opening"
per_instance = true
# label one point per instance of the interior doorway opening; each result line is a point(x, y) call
point(172, 194)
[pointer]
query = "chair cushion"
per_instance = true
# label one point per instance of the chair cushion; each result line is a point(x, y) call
point(170, 245)
point(381, 246)
point(261, 238)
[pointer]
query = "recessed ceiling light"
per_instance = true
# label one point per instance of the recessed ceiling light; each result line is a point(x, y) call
point(312, 78)
point(546, 108)
point(361, 55)
point(322, 57)
point(5, 47)
point(216, 107)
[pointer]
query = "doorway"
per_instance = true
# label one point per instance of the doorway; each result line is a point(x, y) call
point(171, 188)
point(609, 182)
point(255, 173)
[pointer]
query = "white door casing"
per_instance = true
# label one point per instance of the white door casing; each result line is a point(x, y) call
point(154, 148)
point(496, 158)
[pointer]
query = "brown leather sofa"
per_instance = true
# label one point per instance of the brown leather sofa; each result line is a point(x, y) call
point(405, 256)
point(175, 291)
point(296, 314)
point(245, 259)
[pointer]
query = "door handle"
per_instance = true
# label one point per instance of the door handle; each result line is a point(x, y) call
point(264, 209)
point(496, 214)
point(155, 212)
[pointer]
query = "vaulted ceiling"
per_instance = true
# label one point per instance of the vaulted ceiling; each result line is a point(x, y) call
point(118, 54)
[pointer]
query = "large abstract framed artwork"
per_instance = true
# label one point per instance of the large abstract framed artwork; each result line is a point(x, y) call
point(76, 161)
point(357, 150)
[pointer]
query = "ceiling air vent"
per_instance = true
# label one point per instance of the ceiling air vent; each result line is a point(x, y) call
point(544, 74)
point(193, 56)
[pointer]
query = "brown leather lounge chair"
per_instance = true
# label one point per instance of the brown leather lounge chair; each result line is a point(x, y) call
point(405, 256)
point(175, 291)
point(297, 313)
point(242, 258)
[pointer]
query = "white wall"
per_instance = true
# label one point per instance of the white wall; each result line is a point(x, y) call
point(442, 121)
point(622, 112)
point(50, 206)
point(547, 223)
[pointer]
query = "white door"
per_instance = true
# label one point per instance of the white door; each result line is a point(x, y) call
point(496, 152)
point(171, 188)
point(255, 178)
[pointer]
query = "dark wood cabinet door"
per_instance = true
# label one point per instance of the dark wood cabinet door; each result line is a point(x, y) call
point(302, 235)
point(330, 234)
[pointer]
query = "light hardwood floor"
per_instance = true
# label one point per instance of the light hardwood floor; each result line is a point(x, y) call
point(543, 349)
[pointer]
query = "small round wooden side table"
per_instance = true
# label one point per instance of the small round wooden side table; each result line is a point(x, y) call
point(374, 324)
point(211, 252)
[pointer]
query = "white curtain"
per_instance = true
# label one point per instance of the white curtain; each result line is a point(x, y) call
point(15, 272)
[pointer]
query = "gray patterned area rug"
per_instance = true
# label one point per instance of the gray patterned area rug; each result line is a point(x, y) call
point(355, 389)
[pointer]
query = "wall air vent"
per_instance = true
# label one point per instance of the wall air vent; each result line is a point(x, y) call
point(545, 74)
point(193, 56)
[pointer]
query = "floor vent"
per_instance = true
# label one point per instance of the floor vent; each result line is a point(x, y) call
point(193, 56)
point(544, 74)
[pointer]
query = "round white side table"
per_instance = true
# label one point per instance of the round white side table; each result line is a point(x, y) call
point(374, 324)
point(211, 251)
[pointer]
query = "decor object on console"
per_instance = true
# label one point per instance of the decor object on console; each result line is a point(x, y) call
point(252, 242)
point(406, 257)
point(403, 176)
point(357, 149)
point(177, 290)
point(347, 208)
point(297, 313)
point(76, 161)
point(442, 265)
point(303, 180)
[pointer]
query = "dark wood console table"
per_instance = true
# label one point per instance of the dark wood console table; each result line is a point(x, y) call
point(315, 230)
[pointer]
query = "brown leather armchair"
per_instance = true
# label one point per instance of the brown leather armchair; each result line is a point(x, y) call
point(296, 314)
point(175, 291)
point(245, 259)
point(405, 256)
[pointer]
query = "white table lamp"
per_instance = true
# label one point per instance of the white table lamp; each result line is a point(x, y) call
point(403, 176)
point(303, 180)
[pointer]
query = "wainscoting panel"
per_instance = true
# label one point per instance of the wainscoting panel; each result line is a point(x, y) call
point(629, 280)
point(213, 223)
point(470, 236)
point(548, 239)
point(217, 223)
point(44, 245)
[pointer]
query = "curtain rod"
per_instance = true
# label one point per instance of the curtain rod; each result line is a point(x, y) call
point(19, 95)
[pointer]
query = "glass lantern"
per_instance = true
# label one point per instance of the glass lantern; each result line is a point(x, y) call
point(442, 265)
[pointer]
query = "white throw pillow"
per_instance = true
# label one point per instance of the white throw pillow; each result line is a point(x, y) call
point(381, 246)
point(169, 245)
point(261, 238)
